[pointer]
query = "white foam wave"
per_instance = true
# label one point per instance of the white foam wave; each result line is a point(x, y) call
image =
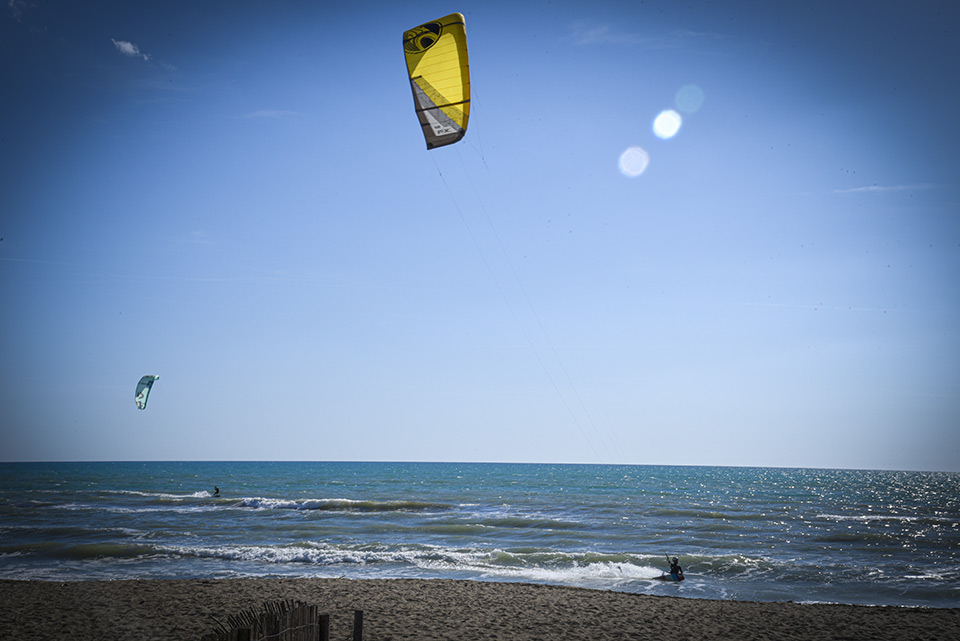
point(926, 575)
point(600, 572)
point(201, 494)
point(340, 504)
point(488, 563)
point(119, 509)
point(259, 502)
point(900, 518)
point(312, 553)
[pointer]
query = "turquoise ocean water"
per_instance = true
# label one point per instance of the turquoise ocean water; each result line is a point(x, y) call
point(879, 538)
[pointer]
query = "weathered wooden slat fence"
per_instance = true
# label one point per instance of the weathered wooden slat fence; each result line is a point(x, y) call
point(278, 621)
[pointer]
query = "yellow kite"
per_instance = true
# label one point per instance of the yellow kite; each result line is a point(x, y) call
point(436, 55)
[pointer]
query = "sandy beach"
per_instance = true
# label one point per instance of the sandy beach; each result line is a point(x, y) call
point(426, 610)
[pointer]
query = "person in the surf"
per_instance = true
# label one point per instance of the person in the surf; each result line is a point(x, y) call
point(675, 568)
point(216, 490)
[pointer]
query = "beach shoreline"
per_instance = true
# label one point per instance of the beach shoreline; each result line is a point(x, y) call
point(435, 609)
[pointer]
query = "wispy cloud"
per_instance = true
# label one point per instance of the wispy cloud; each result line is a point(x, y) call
point(130, 50)
point(584, 34)
point(884, 188)
point(36, 262)
point(818, 307)
point(16, 8)
point(196, 237)
point(271, 113)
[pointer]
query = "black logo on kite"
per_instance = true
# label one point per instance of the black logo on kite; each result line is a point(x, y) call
point(421, 38)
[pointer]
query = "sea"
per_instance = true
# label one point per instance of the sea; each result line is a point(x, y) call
point(753, 534)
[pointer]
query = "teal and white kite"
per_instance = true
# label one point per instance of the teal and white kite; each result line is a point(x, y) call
point(143, 390)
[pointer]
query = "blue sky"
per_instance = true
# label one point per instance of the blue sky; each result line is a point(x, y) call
point(236, 196)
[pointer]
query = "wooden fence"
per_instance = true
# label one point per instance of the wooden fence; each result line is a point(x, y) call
point(280, 621)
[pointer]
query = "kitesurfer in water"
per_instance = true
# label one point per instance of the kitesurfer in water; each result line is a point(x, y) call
point(675, 568)
point(216, 490)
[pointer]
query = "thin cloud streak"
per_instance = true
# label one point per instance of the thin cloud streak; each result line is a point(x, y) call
point(197, 237)
point(129, 49)
point(37, 262)
point(833, 308)
point(884, 188)
point(270, 113)
point(602, 34)
point(583, 34)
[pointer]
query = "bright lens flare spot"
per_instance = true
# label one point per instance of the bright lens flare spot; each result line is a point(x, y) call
point(667, 124)
point(689, 99)
point(634, 161)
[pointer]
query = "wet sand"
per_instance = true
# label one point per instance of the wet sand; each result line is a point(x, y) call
point(428, 610)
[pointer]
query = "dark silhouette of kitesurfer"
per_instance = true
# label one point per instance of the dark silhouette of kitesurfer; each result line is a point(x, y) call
point(216, 490)
point(675, 568)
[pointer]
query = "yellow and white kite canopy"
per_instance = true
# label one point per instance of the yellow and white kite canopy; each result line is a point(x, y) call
point(439, 73)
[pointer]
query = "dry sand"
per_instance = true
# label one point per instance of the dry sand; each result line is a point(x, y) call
point(426, 610)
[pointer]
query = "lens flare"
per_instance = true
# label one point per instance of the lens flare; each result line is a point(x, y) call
point(689, 99)
point(667, 124)
point(634, 161)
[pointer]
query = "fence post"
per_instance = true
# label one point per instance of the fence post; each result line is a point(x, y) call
point(323, 625)
point(358, 625)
